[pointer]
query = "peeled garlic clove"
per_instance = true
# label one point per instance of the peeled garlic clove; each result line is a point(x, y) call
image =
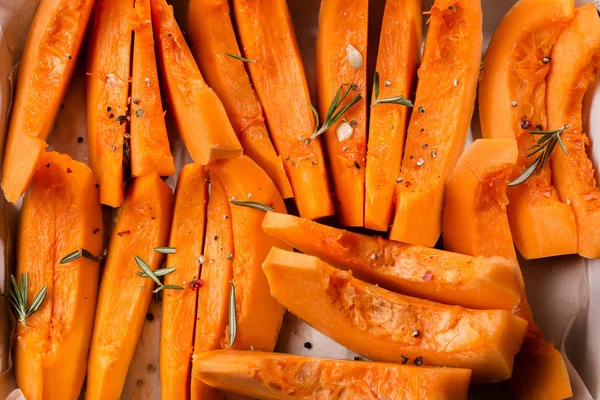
point(354, 57)
point(344, 131)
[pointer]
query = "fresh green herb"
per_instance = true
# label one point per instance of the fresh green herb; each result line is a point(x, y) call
point(401, 100)
point(147, 272)
point(240, 58)
point(257, 205)
point(545, 145)
point(158, 272)
point(18, 298)
point(165, 250)
point(232, 316)
point(334, 112)
point(78, 254)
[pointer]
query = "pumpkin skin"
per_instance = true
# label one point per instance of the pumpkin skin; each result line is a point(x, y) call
point(212, 36)
point(381, 325)
point(61, 213)
point(47, 65)
point(512, 92)
point(438, 128)
point(397, 61)
point(280, 83)
point(286, 376)
point(574, 66)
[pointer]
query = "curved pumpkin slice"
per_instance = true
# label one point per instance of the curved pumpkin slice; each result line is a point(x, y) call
point(212, 37)
point(108, 64)
point(512, 101)
point(198, 112)
point(574, 65)
point(179, 306)
point(213, 297)
point(438, 127)
point(46, 68)
point(475, 282)
point(475, 210)
point(259, 316)
point(60, 214)
point(342, 59)
point(267, 35)
point(285, 376)
point(150, 150)
point(397, 59)
point(382, 325)
point(142, 224)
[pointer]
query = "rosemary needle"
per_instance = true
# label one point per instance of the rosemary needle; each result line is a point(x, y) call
point(334, 112)
point(401, 100)
point(232, 316)
point(165, 250)
point(257, 205)
point(78, 254)
point(18, 298)
point(148, 273)
point(240, 58)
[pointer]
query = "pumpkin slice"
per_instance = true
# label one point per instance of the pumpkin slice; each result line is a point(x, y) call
point(108, 65)
point(512, 102)
point(574, 66)
point(475, 282)
point(199, 114)
point(212, 38)
point(286, 376)
point(342, 59)
point(47, 65)
point(267, 36)
point(438, 127)
point(60, 214)
point(386, 326)
point(150, 150)
point(258, 315)
point(179, 306)
point(142, 224)
point(475, 210)
point(397, 59)
point(213, 297)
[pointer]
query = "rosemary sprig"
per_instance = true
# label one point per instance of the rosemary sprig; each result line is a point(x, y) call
point(78, 254)
point(544, 147)
point(401, 100)
point(165, 250)
point(232, 316)
point(257, 205)
point(334, 112)
point(240, 58)
point(18, 298)
point(147, 272)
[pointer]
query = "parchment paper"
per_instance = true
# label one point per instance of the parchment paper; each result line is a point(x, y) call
point(564, 292)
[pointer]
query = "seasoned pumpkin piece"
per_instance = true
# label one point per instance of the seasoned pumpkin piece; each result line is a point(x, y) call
point(61, 214)
point(442, 114)
point(452, 278)
point(512, 102)
point(574, 66)
point(143, 223)
point(49, 59)
point(386, 326)
point(285, 376)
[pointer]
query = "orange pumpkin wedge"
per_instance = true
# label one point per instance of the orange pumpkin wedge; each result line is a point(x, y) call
point(108, 68)
point(574, 66)
point(512, 101)
point(386, 326)
point(179, 306)
point(212, 37)
point(60, 214)
point(47, 65)
point(267, 36)
point(213, 297)
point(438, 126)
point(476, 199)
point(150, 150)
point(475, 282)
point(258, 315)
point(286, 376)
point(142, 224)
point(397, 59)
point(342, 59)
point(199, 114)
